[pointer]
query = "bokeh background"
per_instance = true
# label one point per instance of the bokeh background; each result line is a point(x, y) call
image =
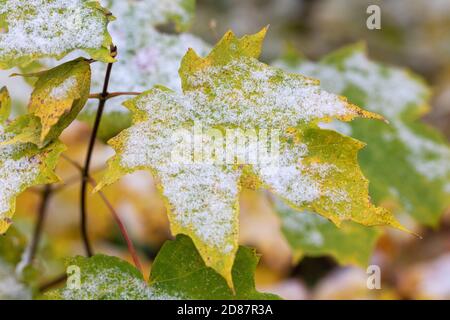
point(415, 34)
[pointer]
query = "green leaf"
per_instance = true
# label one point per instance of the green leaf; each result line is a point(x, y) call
point(178, 272)
point(36, 29)
point(5, 104)
point(407, 162)
point(309, 234)
point(23, 165)
point(315, 169)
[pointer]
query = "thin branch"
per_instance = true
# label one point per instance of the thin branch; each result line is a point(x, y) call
point(87, 164)
point(67, 183)
point(111, 95)
point(115, 215)
point(123, 230)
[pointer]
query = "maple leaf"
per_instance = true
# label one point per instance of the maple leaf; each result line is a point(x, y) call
point(178, 272)
point(22, 165)
point(407, 162)
point(230, 88)
point(309, 234)
point(52, 28)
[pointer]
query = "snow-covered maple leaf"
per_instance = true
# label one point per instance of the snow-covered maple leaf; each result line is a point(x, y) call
point(315, 169)
point(34, 29)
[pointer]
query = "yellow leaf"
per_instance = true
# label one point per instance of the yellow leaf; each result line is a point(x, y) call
point(59, 94)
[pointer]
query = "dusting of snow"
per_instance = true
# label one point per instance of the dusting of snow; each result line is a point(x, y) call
point(13, 175)
point(15, 172)
point(389, 91)
point(112, 283)
point(429, 158)
point(202, 196)
point(49, 27)
point(60, 92)
point(273, 99)
point(288, 179)
point(204, 199)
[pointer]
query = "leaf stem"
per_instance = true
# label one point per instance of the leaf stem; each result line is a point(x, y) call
point(87, 164)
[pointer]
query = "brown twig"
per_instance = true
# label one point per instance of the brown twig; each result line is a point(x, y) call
point(87, 164)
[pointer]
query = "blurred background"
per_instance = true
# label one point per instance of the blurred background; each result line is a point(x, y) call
point(415, 34)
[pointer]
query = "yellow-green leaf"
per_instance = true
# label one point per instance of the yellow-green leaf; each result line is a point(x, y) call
point(59, 95)
point(230, 89)
point(35, 29)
